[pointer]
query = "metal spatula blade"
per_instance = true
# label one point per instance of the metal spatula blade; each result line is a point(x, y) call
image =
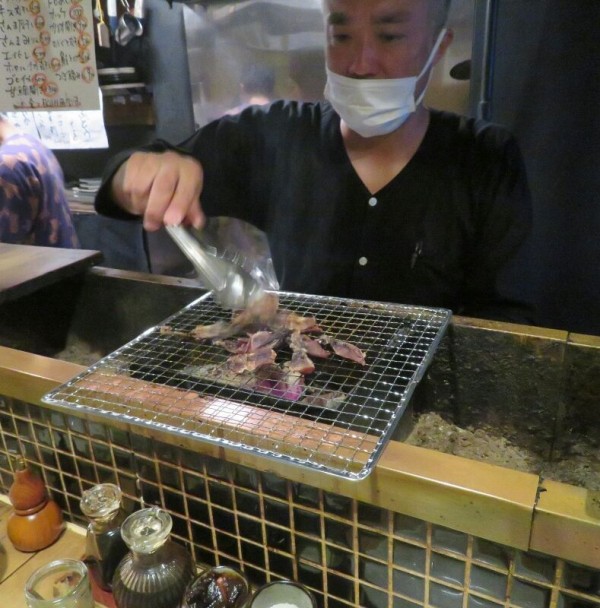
point(232, 286)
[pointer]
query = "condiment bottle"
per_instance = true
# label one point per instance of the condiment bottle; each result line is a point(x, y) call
point(156, 570)
point(37, 520)
point(104, 545)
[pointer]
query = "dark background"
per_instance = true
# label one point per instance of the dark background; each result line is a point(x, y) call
point(545, 87)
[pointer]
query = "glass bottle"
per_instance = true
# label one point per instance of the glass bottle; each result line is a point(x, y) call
point(156, 570)
point(104, 546)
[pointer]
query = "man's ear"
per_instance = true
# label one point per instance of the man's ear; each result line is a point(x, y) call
point(444, 44)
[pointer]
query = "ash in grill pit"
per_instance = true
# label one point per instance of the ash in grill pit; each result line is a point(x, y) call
point(579, 467)
point(80, 354)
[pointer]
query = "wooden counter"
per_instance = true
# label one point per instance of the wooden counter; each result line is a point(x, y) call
point(25, 268)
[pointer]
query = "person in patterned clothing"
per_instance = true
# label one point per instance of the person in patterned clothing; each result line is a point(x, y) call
point(33, 204)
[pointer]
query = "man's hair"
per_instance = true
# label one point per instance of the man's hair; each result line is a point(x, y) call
point(439, 10)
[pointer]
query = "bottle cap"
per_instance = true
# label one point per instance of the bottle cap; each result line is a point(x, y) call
point(146, 530)
point(101, 500)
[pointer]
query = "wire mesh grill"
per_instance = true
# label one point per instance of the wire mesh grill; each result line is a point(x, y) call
point(336, 419)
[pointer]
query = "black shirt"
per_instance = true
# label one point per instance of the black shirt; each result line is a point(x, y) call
point(451, 229)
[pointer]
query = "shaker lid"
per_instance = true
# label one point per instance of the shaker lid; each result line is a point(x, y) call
point(144, 531)
point(101, 500)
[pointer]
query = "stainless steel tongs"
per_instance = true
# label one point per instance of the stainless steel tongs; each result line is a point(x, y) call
point(233, 286)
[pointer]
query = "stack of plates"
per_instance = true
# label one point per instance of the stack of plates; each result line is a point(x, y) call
point(117, 75)
point(114, 80)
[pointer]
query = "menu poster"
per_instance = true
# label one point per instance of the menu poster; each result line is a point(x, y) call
point(66, 130)
point(47, 56)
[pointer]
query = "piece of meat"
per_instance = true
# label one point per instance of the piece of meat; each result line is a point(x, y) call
point(312, 347)
point(249, 362)
point(279, 383)
point(167, 330)
point(220, 329)
point(301, 363)
point(273, 339)
point(259, 339)
point(259, 312)
point(235, 346)
point(295, 322)
point(346, 350)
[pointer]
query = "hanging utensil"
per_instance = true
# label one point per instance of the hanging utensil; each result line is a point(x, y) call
point(113, 17)
point(101, 28)
point(138, 11)
point(128, 27)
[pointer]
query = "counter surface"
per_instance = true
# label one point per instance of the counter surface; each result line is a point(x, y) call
point(25, 268)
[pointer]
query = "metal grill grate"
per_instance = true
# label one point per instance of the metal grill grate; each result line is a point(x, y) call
point(336, 420)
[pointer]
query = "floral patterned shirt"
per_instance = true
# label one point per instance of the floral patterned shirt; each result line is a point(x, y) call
point(33, 205)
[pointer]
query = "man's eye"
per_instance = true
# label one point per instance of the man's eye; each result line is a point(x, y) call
point(339, 38)
point(339, 34)
point(390, 37)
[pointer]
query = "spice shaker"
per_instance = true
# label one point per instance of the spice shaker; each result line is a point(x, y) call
point(37, 520)
point(104, 545)
point(156, 570)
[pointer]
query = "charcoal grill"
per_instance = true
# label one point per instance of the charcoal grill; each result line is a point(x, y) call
point(164, 379)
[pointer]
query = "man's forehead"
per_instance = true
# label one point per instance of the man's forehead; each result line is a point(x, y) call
point(400, 5)
point(395, 10)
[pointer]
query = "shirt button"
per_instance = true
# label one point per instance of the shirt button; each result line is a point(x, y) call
point(363, 261)
point(372, 201)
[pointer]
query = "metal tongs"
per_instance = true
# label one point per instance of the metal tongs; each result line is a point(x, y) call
point(233, 287)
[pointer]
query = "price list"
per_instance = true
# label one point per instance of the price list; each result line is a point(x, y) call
point(47, 58)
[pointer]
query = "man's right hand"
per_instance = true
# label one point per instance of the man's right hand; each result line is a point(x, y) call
point(162, 187)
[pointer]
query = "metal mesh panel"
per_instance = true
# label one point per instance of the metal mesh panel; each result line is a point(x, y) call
point(335, 419)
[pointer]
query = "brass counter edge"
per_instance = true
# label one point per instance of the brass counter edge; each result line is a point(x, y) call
point(565, 525)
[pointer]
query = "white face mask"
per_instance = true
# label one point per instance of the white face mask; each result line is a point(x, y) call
point(374, 107)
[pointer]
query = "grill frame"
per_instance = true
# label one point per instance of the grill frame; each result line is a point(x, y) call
point(399, 341)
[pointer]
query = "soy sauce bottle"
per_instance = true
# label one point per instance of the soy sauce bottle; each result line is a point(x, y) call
point(156, 570)
point(104, 547)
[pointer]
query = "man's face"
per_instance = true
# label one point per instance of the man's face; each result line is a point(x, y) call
point(378, 38)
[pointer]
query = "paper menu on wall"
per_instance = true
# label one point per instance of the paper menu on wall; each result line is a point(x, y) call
point(64, 130)
point(47, 56)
